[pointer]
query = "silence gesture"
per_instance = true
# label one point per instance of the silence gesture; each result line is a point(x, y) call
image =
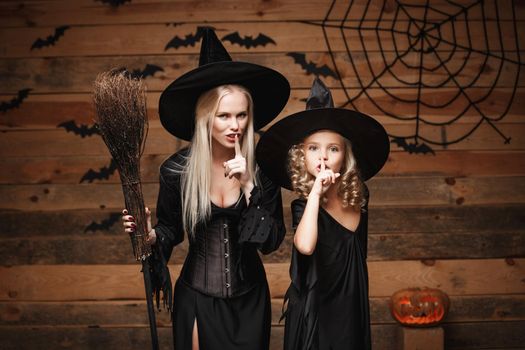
point(324, 179)
point(236, 167)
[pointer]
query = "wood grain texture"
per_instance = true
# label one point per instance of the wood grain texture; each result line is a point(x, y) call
point(60, 143)
point(504, 335)
point(85, 12)
point(451, 164)
point(53, 109)
point(78, 322)
point(385, 191)
point(453, 220)
point(382, 220)
point(117, 313)
point(97, 249)
point(76, 74)
point(153, 38)
point(133, 337)
point(120, 282)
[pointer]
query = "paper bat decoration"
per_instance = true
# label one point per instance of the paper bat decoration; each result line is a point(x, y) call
point(15, 101)
point(248, 41)
point(103, 174)
point(421, 148)
point(189, 40)
point(149, 70)
point(51, 39)
point(105, 224)
point(114, 3)
point(311, 67)
point(82, 130)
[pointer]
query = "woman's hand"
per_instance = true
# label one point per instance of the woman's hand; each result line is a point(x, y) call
point(236, 167)
point(324, 180)
point(130, 226)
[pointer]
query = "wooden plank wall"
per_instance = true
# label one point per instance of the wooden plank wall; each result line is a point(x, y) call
point(453, 220)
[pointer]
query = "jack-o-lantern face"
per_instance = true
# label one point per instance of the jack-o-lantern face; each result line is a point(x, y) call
point(418, 307)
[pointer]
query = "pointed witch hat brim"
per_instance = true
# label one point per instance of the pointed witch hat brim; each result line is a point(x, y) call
point(370, 143)
point(269, 89)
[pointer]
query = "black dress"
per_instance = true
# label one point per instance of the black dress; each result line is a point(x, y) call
point(327, 301)
point(222, 283)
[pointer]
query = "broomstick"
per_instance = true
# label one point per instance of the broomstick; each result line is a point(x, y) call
point(120, 104)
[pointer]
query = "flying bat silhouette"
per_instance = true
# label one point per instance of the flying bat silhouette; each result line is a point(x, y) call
point(149, 70)
point(15, 101)
point(311, 67)
point(412, 147)
point(82, 130)
point(105, 224)
point(189, 40)
point(114, 3)
point(248, 41)
point(51, 39)
point(103, 174)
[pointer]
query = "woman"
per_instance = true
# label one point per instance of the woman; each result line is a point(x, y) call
point(212, 191)
point(324, 154)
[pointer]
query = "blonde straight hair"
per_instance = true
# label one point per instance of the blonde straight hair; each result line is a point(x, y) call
point(196, 179)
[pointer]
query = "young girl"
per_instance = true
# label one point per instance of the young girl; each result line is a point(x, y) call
point(324, 154)
point(212, 192)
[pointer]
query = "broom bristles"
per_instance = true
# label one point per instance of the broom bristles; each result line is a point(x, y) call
point(120, 105)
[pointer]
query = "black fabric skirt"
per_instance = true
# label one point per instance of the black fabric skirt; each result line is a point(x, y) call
point(242, 322)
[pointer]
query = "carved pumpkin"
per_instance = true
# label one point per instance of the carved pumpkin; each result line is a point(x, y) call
point(419, 307)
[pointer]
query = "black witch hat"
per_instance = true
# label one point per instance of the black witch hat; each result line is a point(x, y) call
point(370, 143)
point(269, 89)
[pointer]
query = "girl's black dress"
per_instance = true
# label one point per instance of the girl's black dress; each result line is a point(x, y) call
point(327, 301)
point(222, 283)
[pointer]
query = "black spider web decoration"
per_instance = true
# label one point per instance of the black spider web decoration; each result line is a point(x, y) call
point(424, 40)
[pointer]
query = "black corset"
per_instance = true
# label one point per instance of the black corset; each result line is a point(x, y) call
point(217, 264)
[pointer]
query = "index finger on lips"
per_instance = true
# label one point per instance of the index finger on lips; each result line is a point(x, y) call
point(323, 165)
point(237, 146)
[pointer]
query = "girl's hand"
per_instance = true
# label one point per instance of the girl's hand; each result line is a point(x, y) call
point(130, 226)
point(236, 167)
point(324, 180)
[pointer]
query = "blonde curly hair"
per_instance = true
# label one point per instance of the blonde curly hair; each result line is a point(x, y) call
point(351, 189)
